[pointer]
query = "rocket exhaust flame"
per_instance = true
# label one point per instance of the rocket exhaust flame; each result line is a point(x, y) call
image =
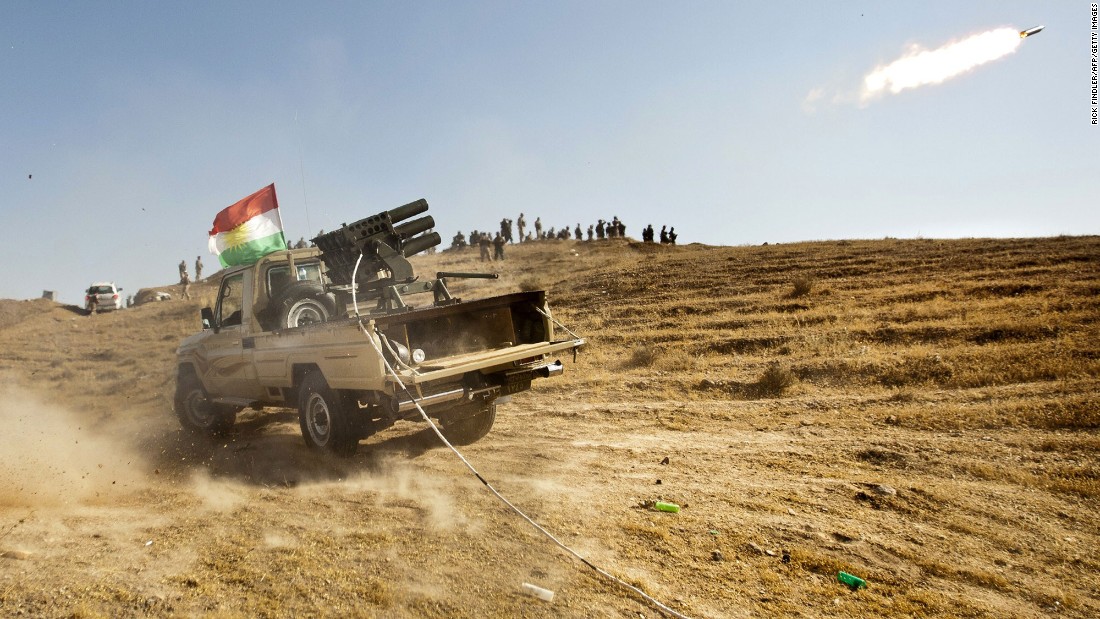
point(921, 67)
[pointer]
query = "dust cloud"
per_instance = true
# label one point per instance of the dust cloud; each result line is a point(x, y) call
point(394, 482)
point(51, 457)
point(218, 495)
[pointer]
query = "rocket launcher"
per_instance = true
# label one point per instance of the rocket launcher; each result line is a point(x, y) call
point(385, 241)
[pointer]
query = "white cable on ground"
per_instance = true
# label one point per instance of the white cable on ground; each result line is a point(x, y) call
point(389, 368)
point(517, 510)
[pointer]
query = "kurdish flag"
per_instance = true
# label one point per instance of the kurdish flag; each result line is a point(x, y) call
point(248, 230)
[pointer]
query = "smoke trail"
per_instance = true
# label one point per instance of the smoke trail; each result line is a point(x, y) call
point(921, 67)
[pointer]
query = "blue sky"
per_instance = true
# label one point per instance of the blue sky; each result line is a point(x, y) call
point(139, 121)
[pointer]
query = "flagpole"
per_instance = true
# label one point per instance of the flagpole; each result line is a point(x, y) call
point(279, 214)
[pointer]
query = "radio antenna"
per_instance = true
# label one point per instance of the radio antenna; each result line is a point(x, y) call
point(302, 170)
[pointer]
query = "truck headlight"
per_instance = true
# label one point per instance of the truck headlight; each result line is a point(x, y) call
point(418, 356)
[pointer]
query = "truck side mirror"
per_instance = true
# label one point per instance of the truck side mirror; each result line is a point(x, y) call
point(207, 315)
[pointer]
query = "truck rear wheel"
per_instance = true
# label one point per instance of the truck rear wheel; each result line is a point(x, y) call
point(323, 415)
point(465, 429)
point(197, 413)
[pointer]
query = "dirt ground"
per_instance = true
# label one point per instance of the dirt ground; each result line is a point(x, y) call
point(922, 414)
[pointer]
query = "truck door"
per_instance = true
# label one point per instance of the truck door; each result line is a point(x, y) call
point(229, 369)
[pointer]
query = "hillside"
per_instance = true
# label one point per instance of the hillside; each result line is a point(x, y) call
point(922, 413)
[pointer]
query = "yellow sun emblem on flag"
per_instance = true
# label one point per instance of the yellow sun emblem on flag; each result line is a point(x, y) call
point(237, 236)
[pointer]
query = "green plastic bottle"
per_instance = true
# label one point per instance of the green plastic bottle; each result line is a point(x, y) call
point(854, 582)
point(664, 506)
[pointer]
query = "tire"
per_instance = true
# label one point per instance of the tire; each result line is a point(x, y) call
point(197, 413)
point(462, 428)
point(302, 303)
point(325, 419)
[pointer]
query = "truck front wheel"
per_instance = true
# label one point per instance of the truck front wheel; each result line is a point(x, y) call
point(197, 413)
point(323, 415)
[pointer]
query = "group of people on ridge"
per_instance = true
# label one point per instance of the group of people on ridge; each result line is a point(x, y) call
point(602, 229)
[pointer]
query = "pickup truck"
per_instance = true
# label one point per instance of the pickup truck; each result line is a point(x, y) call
point(290, 331)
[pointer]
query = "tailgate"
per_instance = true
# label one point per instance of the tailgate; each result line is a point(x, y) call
point(522, 357)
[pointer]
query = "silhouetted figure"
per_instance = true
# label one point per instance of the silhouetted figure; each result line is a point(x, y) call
point(538, 228)
point(672, 235)
point(521, 224)
point(483, 242)
point(459, 241)
point(198, 268)
point(498, 247)
point(664, 234)
point(591, 231)
point(577, 232)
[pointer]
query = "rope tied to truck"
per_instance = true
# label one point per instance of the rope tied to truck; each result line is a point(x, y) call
point(401, 385)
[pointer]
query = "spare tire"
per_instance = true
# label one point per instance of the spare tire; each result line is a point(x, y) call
point(302, 303)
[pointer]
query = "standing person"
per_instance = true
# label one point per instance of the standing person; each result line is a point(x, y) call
point(521, 223)
point(577, 234)
point(664, 234)
point(183, 268)
point(93, 302)
point(538, 228)
point(591, 231)
point(599, 229)
point(498, 247)
point(185, 285)
point(672, 235)
point(483, 243)
point(198, 268)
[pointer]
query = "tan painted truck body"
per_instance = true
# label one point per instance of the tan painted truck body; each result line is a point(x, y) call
point(455, 359)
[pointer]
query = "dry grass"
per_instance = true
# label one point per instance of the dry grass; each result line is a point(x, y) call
point(800, 287)
point(961, 374)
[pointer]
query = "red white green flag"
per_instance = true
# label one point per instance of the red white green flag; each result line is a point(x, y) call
point(248, 230)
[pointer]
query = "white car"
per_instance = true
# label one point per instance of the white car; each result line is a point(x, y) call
point(107, 297)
